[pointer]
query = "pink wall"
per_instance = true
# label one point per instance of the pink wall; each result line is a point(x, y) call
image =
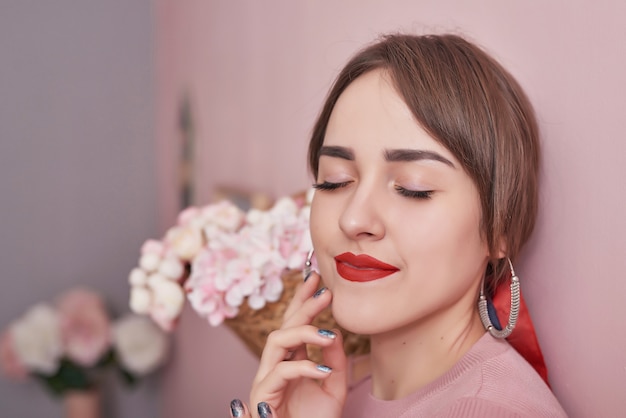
point(257, 73)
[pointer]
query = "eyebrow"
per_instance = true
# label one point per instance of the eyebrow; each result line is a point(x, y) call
point(406, 155)
point(337, 152)
point(394, 155)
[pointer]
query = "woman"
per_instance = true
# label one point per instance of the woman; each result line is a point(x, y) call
point(426, 158)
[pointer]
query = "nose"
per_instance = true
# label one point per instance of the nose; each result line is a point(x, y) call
point(362, 217)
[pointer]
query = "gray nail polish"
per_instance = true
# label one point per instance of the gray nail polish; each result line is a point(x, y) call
point(264, 410)
point(307, 276)
point(319, 292)
point(323, 368)
point(327, 333)
point(236, 408)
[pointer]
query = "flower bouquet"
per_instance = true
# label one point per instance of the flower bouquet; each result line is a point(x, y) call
point(67, 346)
point(233, 267)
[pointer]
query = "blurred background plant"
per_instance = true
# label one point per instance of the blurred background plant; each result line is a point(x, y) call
point(70, 344)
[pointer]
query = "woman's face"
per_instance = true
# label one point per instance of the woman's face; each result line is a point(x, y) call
point(395, 220)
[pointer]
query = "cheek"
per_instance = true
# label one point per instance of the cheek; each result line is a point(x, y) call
point(460, 242)
point(443, 235)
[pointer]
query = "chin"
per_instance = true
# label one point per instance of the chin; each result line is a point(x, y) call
point(355, 319)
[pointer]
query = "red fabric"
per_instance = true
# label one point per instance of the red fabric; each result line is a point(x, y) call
point(523, 338)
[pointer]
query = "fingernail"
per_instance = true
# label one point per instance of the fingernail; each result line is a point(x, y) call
point(323, 368)
point(236, 408)
point(264, 410)
point(327, 333)
point(319, 292)
point(307, 276)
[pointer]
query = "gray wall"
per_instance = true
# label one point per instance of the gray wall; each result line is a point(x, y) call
point(77, 165)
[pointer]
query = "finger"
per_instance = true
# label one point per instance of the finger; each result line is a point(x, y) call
point(281, 342)
point(264, 409)
point(309, 309)
point(272, 387)
point(239, 409)
point(302, 293)
point(334, 356)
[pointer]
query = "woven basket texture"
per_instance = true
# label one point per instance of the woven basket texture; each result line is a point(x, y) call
point(253, 326)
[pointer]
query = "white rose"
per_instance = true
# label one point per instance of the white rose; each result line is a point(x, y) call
point(149, 262)
point(168, 298)
point(137, 277)
point(254, 216)
point(229, 217)
point(171, 268)
point(140, 299)
point(140, 345)
point(37, 339)
point(155, 278)
point(284, 206)
point(185, 242)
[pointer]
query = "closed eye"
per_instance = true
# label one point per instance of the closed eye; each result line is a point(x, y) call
point(414, 194)
point(326, 185)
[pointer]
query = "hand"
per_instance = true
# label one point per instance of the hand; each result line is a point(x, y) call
point(287, 383)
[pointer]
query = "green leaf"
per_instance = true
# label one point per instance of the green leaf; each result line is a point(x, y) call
point(128, 377)
point(69, 376)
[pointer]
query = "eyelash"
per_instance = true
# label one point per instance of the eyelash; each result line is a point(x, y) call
point(411, 194)
point(414, 194)
point(325, 185)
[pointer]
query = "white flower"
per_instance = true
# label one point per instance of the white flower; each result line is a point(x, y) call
point(185, 242)
point(256, 301)
point(225, 214)
point(254, 216)
point(137, 277)
point(140, 299)
point(285, 206)
point(172, 268)
point(149, 262)
point(37, 339)
point(140, 345)
point(168, 298)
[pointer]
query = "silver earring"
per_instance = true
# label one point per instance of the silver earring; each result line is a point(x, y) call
point(515, 305)
point(306, 272)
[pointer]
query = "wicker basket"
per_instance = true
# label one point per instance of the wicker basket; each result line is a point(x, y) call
point(253, 327)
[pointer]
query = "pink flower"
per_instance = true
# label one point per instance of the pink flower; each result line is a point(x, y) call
point(188, 216)
point(209, 303)
point(85, 327)
point(233, 257)
point(9, 361)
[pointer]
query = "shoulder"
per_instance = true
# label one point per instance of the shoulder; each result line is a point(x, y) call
point(509, 383)
point(485, 408)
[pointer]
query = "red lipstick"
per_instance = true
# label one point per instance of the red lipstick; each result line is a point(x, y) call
point(362, 268)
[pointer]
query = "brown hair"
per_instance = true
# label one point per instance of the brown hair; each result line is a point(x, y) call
point(470, 104)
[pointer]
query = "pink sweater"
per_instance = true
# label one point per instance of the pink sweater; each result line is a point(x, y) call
point(490, 380)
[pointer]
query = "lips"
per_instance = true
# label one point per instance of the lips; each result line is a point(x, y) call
point(362, 268)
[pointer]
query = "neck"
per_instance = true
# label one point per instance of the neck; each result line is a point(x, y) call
point(405, 360)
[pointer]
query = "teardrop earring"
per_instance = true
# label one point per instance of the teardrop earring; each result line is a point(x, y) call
point(513, 314)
